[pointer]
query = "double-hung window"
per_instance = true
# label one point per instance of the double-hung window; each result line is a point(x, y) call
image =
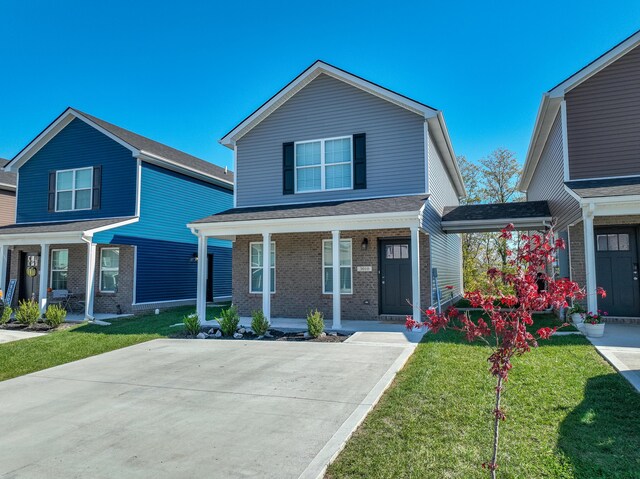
point(324, 164)
point(59, 268)
point(109, 269)
point(74, 189)
point(345, 266)
point(256, 263)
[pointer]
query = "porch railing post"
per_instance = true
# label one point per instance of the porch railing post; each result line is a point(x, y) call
point(201, 301)
point(590, 258)
point(266, 275)
point(91, 280)
point(415, 273)
point(44, 277)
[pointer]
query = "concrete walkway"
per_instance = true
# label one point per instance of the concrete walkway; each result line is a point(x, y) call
point(197, 408)
point(620, 345)
point(8, 336)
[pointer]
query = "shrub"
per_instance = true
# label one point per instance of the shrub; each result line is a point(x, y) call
point(55, 315)
point(28, 312)
point(229, 320)
point(192, 324)
point(315, 323)
point(6, 315)
point(259, 323)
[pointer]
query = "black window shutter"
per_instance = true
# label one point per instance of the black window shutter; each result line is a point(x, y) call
point(52, 191)
point(359, 161)
point(288, 169)
point(97, 187)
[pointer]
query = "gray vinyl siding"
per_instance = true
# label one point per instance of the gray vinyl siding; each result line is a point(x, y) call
point(327, 108)
point(547, 182)
point(603, 121)
point(441, 190)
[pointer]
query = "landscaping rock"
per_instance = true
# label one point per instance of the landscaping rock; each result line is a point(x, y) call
point(218, 334)
point(212, 331)
point(242, 330)
point(333, 333)
point(268, 334)
point(237, 335)
point(201, 336)
point(323, 334)
point(260, 337)
point(307, 335)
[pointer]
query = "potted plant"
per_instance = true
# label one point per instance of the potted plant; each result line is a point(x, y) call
point(594, 324)
point(576, 313)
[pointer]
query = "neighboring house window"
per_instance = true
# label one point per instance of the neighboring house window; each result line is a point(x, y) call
point(345, 266)
point(323, 164)
point(73, 189)
point(256, 262)
point(59, 268)
point(109, 269)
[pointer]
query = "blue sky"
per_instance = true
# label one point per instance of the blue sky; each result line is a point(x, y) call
point(184, 73)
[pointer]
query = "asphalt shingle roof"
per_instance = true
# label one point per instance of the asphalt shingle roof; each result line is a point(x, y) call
point(497, 211)
point(395, 204)
point(59, 227)
point(6, 177)
point(608, 187)
point(145, 144)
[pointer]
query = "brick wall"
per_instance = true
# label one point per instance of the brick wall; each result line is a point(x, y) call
point(77, 279)
point(299, 275)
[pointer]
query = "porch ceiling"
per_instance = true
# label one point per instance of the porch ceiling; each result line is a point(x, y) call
point(524, 215)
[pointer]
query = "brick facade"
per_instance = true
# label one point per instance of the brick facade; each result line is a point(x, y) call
point(299, 275)
point(77, 279)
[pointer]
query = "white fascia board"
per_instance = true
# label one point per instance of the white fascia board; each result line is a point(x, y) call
point(7, 186)
point(304, 79)
point(93, 231)
point(625, 205)
point(495, 225)
point(596, 66)
point(39, 238)
point(178, 168)
point(51, 131)
point(308, 225)
point(573, 194)
point(544, 121)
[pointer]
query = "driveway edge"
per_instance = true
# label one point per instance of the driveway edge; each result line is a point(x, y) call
point(318, 466)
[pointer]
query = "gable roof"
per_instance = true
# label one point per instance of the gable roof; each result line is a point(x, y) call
point(7, 179)
point(552, 100)
point(140, 146)
point(605, 187)
point(434, 117)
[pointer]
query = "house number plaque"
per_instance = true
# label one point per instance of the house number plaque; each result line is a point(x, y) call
point(364, 269)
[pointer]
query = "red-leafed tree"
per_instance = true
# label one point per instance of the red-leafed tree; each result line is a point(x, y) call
point(513, 294)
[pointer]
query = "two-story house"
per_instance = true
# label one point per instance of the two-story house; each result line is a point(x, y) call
point(340, 188)
point(584, 160)
point(101, 218)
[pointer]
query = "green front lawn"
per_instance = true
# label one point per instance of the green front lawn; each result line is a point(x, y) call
point(569, 415)
point(540, 320)
point(30, 355)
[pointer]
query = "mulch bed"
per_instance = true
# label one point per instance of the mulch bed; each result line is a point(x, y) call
point(35, 328)
point(272, 335)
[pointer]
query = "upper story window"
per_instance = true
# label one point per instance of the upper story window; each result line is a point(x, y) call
point(74, 189)
point(324, 164)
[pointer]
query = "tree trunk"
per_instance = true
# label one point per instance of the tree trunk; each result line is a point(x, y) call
point(496, 430)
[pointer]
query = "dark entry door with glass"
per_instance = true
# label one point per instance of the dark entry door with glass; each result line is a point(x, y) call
point(617, 270)
point(29, 269)
point(395, 276)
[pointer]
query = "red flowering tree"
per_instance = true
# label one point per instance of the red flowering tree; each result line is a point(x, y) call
point(521, 288)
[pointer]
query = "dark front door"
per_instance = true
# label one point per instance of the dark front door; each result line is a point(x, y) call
point(395, 276)
point(210, 278)
point(28, 265)
point(617, 270)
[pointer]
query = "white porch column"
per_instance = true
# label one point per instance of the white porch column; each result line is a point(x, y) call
point(201, 301)
point(91, 280)
point(337, 320)
point(44, 276)
point(266, 275)
point(589, 258)
point(415, 273)
point(4, 249)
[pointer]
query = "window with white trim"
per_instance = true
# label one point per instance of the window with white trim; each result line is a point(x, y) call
point(256, 263)
point(109, 269)
point(59, 269)
point(345, 266)
point(74, 189)
point(324, 164)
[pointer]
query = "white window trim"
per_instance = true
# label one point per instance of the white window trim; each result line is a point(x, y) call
point(273, 248)
point(102, 269)
point(324, 289)
point(51, 270)
point(73, 190)
point(322, 165)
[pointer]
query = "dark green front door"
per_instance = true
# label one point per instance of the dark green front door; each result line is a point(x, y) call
point(395, 276)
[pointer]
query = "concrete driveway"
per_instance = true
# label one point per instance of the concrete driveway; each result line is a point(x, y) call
point(620, 345)
point(8, 336)
point(196, 408)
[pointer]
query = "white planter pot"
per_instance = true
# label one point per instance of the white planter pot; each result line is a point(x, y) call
point(594, 330)
point(577, 318)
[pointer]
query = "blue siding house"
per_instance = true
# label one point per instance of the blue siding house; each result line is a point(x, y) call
point(101, 218)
